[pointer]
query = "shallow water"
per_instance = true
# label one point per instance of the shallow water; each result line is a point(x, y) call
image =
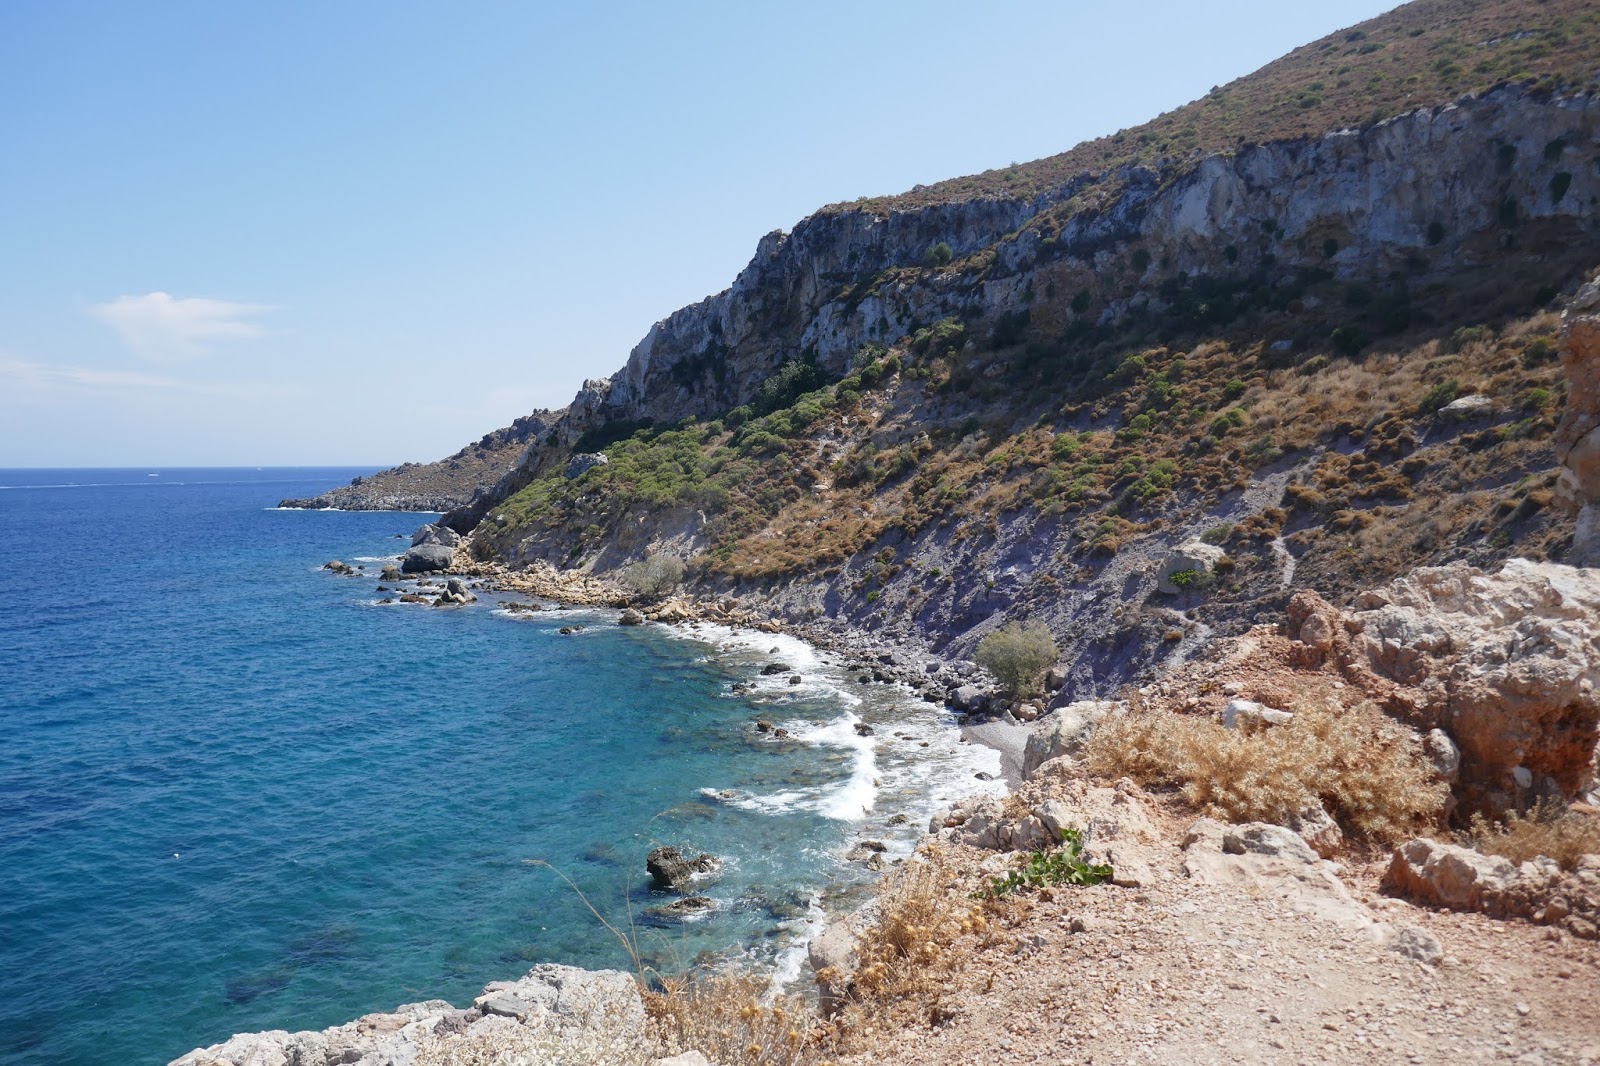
point(237, 794)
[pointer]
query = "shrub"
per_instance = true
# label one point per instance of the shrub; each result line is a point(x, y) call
point(1367, 771)
point(1017, 654)
point(1441, 395)
point(654, 576)
point(940, 255)
point(1549, 828)
point(1064, 866)
point(730, 1018)
point(1349, 340)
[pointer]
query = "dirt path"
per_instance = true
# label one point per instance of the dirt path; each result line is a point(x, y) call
point(1183, 972)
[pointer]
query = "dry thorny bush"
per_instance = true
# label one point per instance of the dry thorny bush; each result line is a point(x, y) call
point(904, 959)
point(1550, 829)
point(731, 1019)
point(1369, 772)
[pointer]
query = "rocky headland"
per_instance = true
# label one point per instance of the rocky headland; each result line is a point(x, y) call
point(1286, 434)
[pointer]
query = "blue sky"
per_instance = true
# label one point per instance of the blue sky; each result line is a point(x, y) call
point(369, 233)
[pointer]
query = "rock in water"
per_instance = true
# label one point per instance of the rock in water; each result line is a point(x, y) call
point(427, 558)
point(631, 617)
point(672, 870)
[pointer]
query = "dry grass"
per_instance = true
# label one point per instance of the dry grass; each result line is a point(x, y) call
point(904, 958)
point(732, 1020)
point(1548, 829)
point(1367, 771)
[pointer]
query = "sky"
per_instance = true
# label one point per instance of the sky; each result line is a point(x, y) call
point(369, 233)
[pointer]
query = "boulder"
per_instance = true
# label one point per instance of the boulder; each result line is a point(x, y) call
point(433, 533)
point(1318, 829)
point(427, 558)
point(1247, 715)
point(391, 572)
point(672, 870)
point(1192, 556)
point(631, 617)
point(339, 567)
point(455, 594)
point(832, 954)
point(679, 909)
point(1063, 732)
point(1262, 861)
point(1449, 876)
point(774, 669)
point(969, 698)
point(1474, 406)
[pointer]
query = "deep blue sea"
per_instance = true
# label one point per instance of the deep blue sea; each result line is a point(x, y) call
point(236, 793)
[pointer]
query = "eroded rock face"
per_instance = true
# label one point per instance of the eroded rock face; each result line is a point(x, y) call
point(566, 1004)
point(1064, 733)
point(1578, 435)
point(1504, 666)
point(1459, 878)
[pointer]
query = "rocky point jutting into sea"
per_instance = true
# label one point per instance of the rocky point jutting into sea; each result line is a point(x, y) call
point(1286, 443)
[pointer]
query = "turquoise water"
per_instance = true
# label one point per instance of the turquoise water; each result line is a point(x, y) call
point(236, 793)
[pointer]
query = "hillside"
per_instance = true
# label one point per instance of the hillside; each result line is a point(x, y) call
point(444, 485)
point(1416, 56)
point(1018, 394)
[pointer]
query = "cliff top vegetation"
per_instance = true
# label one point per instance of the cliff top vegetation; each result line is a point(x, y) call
point(1421, 54)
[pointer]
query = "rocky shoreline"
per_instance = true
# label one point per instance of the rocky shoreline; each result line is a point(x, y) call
point(558, 1008)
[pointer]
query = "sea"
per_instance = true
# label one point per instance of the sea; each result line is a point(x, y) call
point(239, 792)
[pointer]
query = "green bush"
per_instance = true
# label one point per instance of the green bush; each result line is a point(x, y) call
point(1439, 396)
point(1017, 654)
point(940, 255)
point(654, 576)
point(1064, 866)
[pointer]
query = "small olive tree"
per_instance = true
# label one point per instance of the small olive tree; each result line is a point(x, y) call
point(654, 576)
point(1017, 654)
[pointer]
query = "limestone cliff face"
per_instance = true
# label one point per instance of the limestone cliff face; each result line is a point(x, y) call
point(1425, 193)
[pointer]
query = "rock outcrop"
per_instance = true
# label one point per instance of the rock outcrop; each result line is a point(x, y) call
point(1063, 733)
point(1458, 878)
point(811, 290)
point(556, 1010)
point(426, 559)
point(1506, 666)
point(1578, 435)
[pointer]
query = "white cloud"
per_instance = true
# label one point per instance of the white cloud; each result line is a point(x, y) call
point(162, 327)
point(42, 380)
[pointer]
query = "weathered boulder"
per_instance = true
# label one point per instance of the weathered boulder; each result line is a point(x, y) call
point(969, 698)
point(1577, 438)
point(1192, 563)
point(1473, 406)
point(427, 558)
point(1248, 715)
point(1449, 876)
point(433, 533)
point(1064, 731)
point(630, 617)
point(455, 594)
point(672, 870)
point(338, 566)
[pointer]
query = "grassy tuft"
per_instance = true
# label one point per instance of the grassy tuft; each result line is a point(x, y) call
point(1369, 772)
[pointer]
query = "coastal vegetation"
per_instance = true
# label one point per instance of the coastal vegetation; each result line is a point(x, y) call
point(1017, 654)
point(1419, 53)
